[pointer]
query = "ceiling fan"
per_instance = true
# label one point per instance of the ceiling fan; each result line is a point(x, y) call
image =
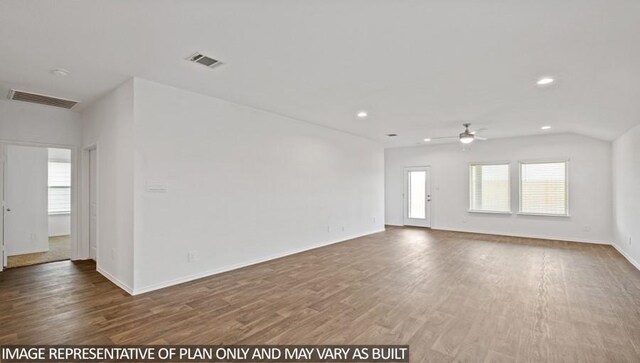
point(465, 137)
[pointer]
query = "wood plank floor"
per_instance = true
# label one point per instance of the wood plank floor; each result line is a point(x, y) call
point(451, 296)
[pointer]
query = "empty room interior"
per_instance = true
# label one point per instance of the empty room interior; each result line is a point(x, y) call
point(459, 177)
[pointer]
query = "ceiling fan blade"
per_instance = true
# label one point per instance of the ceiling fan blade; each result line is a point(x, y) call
point(475, 132)
point(481, 138)
point(443, 137)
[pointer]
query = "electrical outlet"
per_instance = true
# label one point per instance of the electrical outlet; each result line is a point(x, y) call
point(629, 240)
point(191, 256)
point(113, 253)
point(33, 236)
point(586, 228)
point(329, 229)
point(342, 228)
point(374, 219)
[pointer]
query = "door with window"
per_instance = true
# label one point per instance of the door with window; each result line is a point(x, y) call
point(417, 197)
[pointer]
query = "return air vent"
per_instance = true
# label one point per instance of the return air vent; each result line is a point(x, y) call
point(204, 60)
point(41, 99)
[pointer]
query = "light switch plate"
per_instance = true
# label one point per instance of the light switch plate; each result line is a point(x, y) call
point(157, 187)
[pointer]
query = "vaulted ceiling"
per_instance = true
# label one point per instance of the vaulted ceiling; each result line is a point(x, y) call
point(419, 68)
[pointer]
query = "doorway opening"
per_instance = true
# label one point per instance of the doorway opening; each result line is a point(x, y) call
point(37, 192)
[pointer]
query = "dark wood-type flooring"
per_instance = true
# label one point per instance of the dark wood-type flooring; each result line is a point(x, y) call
point(450, 296)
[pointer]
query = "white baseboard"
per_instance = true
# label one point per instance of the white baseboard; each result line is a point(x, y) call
point(113, 279)
point(564, 239)
point(627, 256)
point(28, 252)
point(216, 271)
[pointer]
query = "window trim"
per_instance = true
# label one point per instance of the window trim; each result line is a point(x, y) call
point(489, 211)
point(470, 179)
point(566, 187)
point(59, 213)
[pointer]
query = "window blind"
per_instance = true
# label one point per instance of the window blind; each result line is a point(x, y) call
point(489, 188)
point(59, 187)
point(543, 188)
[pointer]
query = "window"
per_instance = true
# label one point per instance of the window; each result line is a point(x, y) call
point(59, 187)
point(489, 188)
point(543, 188)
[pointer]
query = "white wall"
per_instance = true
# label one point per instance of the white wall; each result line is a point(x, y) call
point(626, 194)
point(26, 196)
point(108, 123)
point(32, 123)
point(243, 185)
point(59, 225)
point(590, 199)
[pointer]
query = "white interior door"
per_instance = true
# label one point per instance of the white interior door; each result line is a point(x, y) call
point(25, 200)
point(93, 204)
point(417, 197)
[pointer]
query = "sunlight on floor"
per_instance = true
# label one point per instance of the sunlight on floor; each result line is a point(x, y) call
point(59, 249)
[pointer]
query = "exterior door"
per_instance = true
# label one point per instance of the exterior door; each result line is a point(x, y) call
point(417, 197)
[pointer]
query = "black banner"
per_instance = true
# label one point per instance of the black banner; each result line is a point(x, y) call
point(205, 353)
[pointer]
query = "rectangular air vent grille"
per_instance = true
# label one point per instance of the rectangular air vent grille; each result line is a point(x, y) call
point(41, 99)
point(204, 60)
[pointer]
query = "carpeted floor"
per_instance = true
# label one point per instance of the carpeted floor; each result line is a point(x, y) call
point(59, 249)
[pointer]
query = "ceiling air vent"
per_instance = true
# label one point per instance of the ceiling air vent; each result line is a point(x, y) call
point(41, 99)
point(204, 60)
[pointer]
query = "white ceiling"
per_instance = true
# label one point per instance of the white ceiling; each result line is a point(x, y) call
point(420, 68)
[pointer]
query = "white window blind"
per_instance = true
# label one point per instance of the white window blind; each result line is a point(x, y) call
point(489, 188)
point(543, 188)
point(59, 187)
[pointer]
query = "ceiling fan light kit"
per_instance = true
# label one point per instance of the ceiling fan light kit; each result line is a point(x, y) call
point(466, 137)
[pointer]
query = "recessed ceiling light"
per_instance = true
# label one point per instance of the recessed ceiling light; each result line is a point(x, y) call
point(427, 140)
point(362, 114)
point(545, 81)
point(545, 127)
point(59, 72)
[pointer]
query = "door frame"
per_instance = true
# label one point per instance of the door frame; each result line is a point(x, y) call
point(85, 210)
point(76, 253)
point(405, 195)
point(3, 157)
